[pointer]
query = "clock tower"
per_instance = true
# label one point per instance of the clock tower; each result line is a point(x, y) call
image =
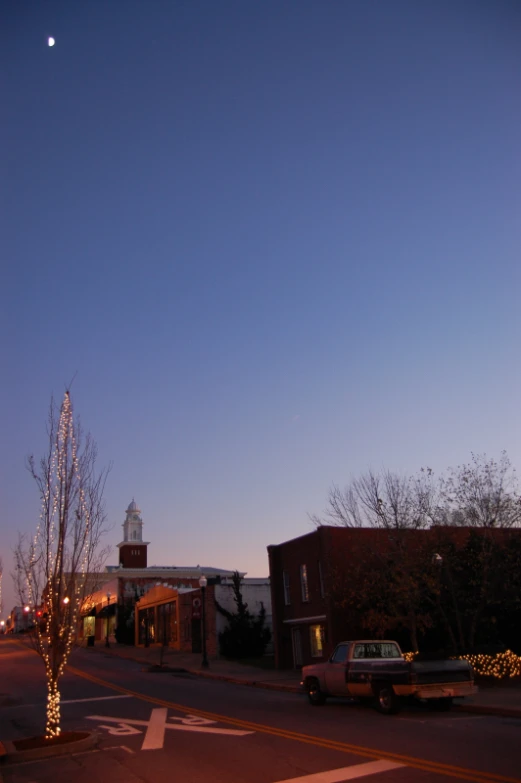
point(133, 550)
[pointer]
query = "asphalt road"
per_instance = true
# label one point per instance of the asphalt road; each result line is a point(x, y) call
point(159, 728)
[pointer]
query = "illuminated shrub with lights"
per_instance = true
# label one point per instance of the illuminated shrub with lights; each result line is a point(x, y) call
point(501, 666)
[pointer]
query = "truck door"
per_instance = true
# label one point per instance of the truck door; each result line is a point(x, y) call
point(336, 671)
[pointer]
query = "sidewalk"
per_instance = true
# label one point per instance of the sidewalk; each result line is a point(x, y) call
point(503, 699)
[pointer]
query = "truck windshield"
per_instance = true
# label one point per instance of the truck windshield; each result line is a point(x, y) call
point(376, 650)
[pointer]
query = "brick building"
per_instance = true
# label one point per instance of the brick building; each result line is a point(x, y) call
point(307, 624)
point(303, 619)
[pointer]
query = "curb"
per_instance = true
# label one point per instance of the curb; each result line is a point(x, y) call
point(13, 756)
point(272, 686)
point(478, 709)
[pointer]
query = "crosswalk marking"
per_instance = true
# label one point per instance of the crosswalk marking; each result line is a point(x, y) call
point(158, 723)
point(155, 736)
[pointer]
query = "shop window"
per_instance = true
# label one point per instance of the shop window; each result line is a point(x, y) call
point(89, 626)
point(166, 613)
point(147, 629)
point(316, 633)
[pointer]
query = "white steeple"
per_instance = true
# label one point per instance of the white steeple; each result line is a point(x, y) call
point(133, 525)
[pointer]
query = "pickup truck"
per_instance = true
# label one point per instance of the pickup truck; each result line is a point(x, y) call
point(377, 670)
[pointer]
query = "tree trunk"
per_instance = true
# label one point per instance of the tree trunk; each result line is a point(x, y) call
point(52, 728)
point(413, 632)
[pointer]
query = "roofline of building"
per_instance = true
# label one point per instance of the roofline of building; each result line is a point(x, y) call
point(181, 571)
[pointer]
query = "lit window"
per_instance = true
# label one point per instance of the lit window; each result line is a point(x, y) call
point(285, 577)
point(304, 583)
point(316, 634)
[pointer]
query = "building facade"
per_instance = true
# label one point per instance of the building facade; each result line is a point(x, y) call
point(305, 573)
point(133, 587)
point(300, 607)
point(307, 624)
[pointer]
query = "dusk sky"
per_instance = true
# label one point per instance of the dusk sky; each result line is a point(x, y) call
point(274, 243)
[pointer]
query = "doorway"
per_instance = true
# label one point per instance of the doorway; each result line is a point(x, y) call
point(197, 637)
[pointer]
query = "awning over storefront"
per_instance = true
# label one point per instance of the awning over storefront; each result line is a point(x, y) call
point(107, 611)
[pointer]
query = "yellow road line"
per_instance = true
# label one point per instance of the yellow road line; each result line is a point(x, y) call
point(411, 761)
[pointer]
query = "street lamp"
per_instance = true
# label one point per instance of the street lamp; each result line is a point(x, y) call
point(202, 584)
point(107, 643)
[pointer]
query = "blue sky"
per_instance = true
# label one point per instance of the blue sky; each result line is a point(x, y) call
point(276, 243)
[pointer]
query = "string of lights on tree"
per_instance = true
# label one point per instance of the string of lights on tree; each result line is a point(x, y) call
point(63, 499)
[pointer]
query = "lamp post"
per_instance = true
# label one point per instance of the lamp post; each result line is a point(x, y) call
point(107, 643)
point(202, 584)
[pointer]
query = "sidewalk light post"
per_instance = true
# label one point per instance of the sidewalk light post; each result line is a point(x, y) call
point(107, 643)
point(202, 584)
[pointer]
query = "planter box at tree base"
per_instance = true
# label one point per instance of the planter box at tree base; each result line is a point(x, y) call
point(31, 748)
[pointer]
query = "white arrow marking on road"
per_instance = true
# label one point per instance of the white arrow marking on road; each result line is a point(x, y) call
point(121, 729)
point(346, 773)
point(155, 727)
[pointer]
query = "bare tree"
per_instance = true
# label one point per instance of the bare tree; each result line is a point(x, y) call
point(385, 500)
point(483, 493)
point(53, 566)
point(451, 576)
point(393, 577)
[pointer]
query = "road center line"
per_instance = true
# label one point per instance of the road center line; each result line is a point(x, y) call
point(437, 767)
point(97, 698)
point(346, 773)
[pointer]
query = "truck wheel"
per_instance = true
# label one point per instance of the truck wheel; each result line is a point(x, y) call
point(315, 695)
point(387, 701)
point(443, 704)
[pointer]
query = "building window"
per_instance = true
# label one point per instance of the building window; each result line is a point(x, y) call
point(304, 583)
point(316, 635)
point(321, 580)
point(285, 577)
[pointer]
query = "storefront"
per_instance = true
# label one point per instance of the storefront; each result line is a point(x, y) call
point(173, 617)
